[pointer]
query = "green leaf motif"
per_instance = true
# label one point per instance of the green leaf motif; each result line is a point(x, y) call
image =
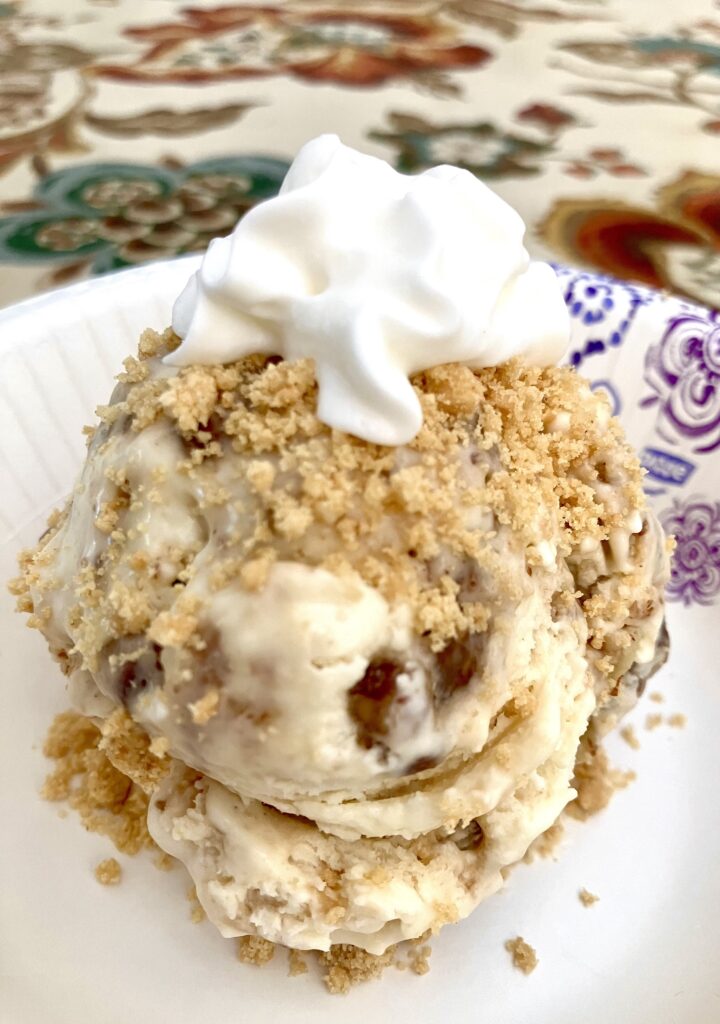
point(116, 215)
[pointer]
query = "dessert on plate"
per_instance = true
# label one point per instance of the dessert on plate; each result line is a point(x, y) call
point(357, 572)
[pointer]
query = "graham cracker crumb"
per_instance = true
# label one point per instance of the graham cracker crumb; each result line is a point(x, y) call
point(159, 746)
point(205, 708)
point(595, 782)
point(296, 963)
point(107, 801)
point(190, 397)
point(254, 573)
point(587, 898)
point(418, 959)
point(108, 872)
point(128, 747)
point(523, 955)
point(349, 965)
point(197, 913)
point(657, 697)
point(628, 734)
point(653, 721)
point(546, 844)
point(251, 949)
point(173, 628)
point(154, 343)
point(164, 862)
point(260, 475)
point(677, 720)
point(303, 481)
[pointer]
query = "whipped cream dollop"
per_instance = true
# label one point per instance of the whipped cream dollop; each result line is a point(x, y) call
point(374, 275)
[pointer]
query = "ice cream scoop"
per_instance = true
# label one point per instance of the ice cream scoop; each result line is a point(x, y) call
point(366, 581)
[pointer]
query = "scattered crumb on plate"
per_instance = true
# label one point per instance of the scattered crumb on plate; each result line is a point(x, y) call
point(164, 862)
point(587, 898)
point(523, 955)
point(251, 949)
point(546, 843)
point(657, 697)
point(197, 914)
point(107, 801)
point(628, 734)
point(108, 872)
point(418, 959)
point(595, 782)
point(653, 721)
point(677, 720)
point(296, 963)
point(347, 965)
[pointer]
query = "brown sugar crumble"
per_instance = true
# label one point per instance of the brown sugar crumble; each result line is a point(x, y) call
point(546, 844)
point(112, 804)
point(164, 862)
point(107, 801)
point(523, 955)
point(304, 480)
point(296, 963)
point(418, 959)
point(587, 898)
point(251, 949)
point(206, 708)
point(595, 782)
point(197, 914)
point(628, 734)
point(347, 965)
point(108, 872)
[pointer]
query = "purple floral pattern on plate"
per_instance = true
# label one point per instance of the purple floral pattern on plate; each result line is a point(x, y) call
point(602, 310)
point(657, 356)
point(683, 370)
point(695, 524)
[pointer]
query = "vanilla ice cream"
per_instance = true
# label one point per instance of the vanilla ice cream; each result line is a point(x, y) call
point(370, 665)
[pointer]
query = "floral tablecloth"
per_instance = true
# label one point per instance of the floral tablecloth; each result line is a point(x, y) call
point(138, 129)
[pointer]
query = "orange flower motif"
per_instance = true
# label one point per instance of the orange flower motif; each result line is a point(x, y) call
point(674, 247)
point(346, 46)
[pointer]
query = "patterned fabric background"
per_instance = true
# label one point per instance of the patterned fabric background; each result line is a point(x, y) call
point(137, 129)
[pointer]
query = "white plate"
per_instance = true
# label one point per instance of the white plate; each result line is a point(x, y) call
point(74, 952)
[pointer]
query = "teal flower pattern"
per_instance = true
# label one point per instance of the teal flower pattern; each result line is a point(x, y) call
point(106, 216)
point(479, 147)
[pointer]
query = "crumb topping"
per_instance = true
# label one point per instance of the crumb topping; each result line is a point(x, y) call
point(546, 844)
point(523, 955)
point(297, 964)
point(322, 497)
point(251, 949)
point(197, 914)
point(108, 801)
point(128, 747)
point(345, 966)
point(628, 734)
point(595, 782)
point(587, 898)
point(108, 872)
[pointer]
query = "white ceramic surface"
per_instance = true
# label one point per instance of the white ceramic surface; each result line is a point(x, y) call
point(73, 952)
